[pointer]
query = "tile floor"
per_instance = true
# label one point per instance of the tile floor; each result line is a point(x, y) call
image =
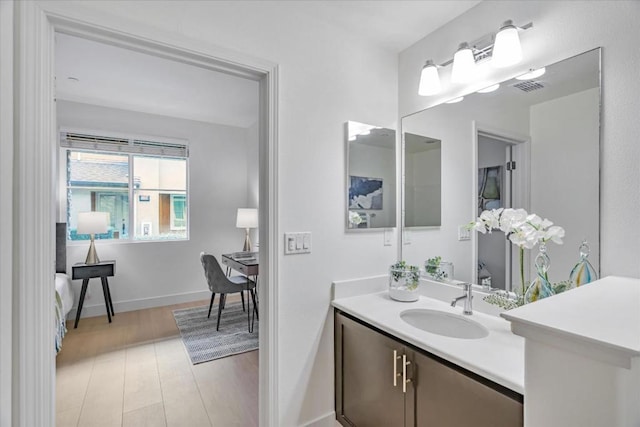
point(136, 372)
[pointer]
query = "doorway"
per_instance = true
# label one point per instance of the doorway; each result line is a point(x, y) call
point(34, 151)
point(109, 100)
point(501, 160)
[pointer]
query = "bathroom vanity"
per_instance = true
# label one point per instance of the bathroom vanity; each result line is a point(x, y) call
point(389, 372)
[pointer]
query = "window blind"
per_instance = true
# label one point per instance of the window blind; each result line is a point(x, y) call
point(84, 141)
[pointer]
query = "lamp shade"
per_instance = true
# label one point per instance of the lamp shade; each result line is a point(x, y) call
point(506, 49)
point(464, 65)
point(93, 222)
point(247, 218)
point(429, 80)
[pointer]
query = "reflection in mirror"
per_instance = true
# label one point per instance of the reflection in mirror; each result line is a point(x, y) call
point(371, 177)
point(422, 175)
point(532, 144)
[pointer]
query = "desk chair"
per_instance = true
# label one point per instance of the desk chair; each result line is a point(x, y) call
point(219, 283)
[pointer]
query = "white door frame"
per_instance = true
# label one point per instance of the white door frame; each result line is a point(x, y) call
point(6, 208)
point(522, 156)
point(33, 389)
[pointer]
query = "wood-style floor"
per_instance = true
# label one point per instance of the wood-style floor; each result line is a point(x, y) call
point(136, 372)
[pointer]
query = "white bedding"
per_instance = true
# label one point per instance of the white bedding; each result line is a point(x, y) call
point(63, 286)
point(64, 302)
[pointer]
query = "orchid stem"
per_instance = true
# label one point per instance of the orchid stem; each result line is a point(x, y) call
point(522, 269)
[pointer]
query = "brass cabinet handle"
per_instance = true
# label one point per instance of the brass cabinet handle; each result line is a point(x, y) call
point(405, 363)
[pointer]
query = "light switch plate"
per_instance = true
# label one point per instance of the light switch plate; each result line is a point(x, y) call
point(297, 243)
point(463, 233)
point(388, 236)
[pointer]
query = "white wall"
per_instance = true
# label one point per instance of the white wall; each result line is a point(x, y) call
point(158, 273)
point(423, 182)
point(562, 29)
point(327, 77)
point(563, 155)
point(253, 181)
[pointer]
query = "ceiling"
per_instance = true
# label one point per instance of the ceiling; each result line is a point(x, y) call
point(395, 25)
point(115, 77)
point(100, 74)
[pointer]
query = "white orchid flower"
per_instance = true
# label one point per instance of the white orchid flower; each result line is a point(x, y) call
point(354, 218)
point(512, 219)
point(479, 226)
point(555, 234)
point(491, 218)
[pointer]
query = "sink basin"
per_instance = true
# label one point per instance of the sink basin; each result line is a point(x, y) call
point(443, 323)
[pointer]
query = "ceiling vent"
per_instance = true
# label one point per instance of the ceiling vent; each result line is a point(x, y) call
point(528, 85)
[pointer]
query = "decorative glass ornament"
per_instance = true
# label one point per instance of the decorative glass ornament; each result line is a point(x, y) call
point(583, 272)
point(540, 286)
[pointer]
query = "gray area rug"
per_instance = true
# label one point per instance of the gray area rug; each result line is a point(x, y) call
point(204, 343)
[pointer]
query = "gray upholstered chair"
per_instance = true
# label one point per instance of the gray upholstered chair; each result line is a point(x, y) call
point(219, 283)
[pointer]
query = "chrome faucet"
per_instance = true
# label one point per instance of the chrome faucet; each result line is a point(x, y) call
point(467, 297)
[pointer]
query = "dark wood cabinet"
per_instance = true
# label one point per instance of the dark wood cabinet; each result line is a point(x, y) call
point(365, 391)
point(383, 381)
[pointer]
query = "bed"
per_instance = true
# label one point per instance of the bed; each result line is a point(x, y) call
point(64, 291)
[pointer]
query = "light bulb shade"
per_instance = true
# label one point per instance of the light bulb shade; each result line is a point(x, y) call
point(429, 80)
point(247, 218)
point(464, 65)
point(506, 49)
point(93, 222)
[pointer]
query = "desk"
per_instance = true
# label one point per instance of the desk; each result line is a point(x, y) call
point(85, 272)
point(243, 262)
point(247, 264)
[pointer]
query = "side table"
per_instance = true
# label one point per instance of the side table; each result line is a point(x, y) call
point(85, 272)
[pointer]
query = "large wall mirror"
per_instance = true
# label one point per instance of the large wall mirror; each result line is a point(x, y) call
point(422, 174)
point(371, 177)
point(531, 143)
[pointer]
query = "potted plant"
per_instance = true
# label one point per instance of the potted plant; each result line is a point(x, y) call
point(438, 269)
point(403, 281)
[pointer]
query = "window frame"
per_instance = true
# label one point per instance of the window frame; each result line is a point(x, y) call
point(63, 208)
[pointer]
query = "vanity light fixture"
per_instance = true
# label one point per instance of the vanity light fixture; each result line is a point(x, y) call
point(429, 80)
point(464, 64)
point(502, 48)
point(506, 48)
point(532, 74)
point(489, 89)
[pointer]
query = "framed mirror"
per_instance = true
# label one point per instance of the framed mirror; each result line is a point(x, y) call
point(371, 177)
point(531, 142)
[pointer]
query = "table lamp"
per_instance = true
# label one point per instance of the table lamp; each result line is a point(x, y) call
point(247, 218)
point(93, 223)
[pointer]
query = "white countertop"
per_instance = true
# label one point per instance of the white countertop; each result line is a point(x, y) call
point(600, 320)
point(498, 357)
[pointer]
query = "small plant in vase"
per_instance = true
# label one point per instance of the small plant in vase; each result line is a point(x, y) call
point(403, 281)
point(433, 268)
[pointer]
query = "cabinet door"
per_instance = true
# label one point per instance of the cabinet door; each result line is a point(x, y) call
point(365, 394)
point(445, 396)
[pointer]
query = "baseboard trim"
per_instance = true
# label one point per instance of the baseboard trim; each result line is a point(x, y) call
point(327, 420)
point(139, 304)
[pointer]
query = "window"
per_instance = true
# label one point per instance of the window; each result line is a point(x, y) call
point(144, 190)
